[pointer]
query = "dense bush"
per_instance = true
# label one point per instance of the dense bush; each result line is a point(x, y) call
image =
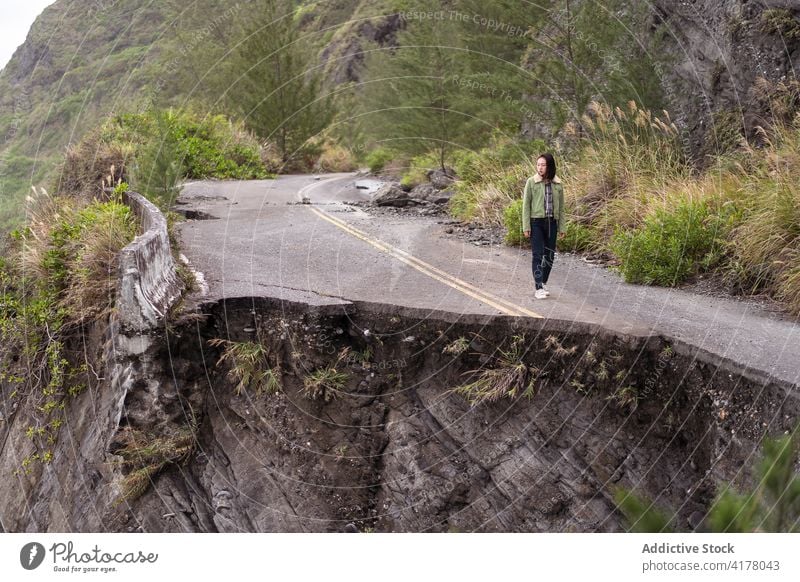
point(512, 219)
point(155, 150)
point(208, 146)
point(378, 158)
point(213, 147)
point(670, 245)
point(577, 238)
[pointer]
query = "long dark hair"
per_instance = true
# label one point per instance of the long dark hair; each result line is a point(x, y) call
point(551, 166)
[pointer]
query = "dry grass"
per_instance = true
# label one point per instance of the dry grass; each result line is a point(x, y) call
point(625, 397)
point(71, 246)
point(485, 201)
point(324, 384)
point(335, 158)
point(628, 159)
point(553, 344)
point(508, 377)
point(249, 366)
point(86, 165)
point(766, 245)
point(145, 456)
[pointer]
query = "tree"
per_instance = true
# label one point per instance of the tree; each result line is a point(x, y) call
point(275, 87)
point(159, 168)
point(414, 99)
point(496, 36)
point(584, 50)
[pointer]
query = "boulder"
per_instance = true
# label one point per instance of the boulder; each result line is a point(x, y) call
point(441, 197)
point(423, 192)
point(392, 195)
point(441, 179)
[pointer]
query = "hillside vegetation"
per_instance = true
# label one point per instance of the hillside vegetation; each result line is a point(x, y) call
point(633, 196)
point(154, 92)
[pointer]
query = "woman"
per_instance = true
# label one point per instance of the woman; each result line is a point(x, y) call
point(543, 219)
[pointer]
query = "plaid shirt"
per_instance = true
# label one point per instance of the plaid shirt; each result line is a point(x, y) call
point(548, 199)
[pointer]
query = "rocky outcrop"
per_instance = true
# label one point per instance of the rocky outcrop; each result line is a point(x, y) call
point(721, 49)
point(441, 178)
point(427, 192)
point(344, 57)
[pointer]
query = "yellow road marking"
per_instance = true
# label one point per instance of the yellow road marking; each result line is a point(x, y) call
point(434, 273)
point(309, 187)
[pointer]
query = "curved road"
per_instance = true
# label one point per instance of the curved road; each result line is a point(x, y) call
point(256, 239)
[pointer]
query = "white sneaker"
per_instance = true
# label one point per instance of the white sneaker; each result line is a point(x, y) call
point(540, 294)
point(546, 292)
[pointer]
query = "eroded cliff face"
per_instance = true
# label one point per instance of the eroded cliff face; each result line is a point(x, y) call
point(393, 448)
point(719, 49)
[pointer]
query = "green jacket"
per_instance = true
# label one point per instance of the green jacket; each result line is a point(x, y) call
point(533, 202)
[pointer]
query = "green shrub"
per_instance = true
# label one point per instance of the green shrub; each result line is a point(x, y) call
point(577, 238)
point(213, 147)
point(378, 158)
point(466, 163)
point(773, 505)
point(512, 219)
point(418, 170)
point(671, 245)
point(159, 164)
point(201, 147)
point(463, 203)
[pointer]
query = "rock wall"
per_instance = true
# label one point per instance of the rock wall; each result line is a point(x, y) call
point(720, 49)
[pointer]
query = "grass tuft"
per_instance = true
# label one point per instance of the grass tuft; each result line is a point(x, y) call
point(325, 383)
point(508, 377)
point(249, 366)
point(145, 456)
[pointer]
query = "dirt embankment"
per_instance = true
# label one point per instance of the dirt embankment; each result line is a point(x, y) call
point(389, 446)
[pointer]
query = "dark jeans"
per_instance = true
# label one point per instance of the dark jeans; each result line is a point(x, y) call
point(544, 232)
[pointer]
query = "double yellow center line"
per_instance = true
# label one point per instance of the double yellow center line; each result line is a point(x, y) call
point(498, 303)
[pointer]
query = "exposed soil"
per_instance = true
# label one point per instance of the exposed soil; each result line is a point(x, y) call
point(395, 449)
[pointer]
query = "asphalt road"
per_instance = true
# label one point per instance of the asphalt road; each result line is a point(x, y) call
point(257, 239)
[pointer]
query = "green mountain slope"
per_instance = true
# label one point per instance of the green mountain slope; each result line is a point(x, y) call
point(84, 59)
point(81, 60)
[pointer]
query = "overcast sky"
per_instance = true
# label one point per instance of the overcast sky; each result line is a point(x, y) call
point(16, 17)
